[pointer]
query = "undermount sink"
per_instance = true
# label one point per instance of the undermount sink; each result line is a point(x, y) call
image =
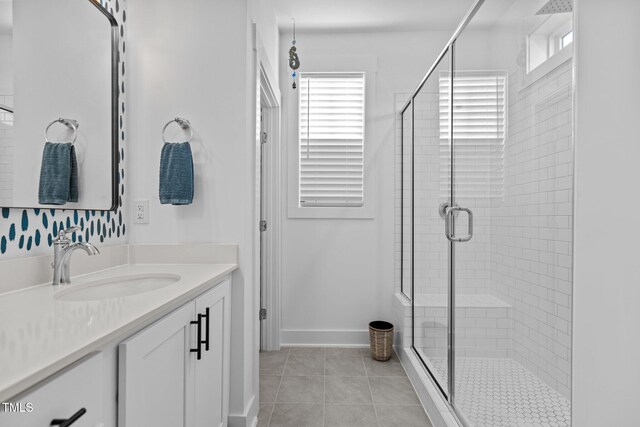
point(115, 287)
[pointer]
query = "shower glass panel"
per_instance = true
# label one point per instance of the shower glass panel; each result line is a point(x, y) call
point(487, 213)
point(513, 151)
point(431, 188)
point(406, 202)
point(512, 167)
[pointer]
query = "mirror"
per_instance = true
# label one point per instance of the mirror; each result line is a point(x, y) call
point(58, 70)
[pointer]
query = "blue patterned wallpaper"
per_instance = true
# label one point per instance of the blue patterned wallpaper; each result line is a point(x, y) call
point(31, 231)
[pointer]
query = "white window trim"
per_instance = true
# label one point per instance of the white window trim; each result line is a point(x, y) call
point(556, 37)
point(366, 64)
point(547, 66)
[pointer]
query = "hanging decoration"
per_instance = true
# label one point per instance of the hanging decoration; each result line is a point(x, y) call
point(294, 62)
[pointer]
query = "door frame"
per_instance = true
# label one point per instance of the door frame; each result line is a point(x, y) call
point(269, 259)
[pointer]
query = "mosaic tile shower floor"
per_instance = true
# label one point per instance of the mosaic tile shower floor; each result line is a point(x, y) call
point(498, 392)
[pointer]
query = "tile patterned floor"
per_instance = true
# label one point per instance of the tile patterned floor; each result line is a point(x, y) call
point(498, 392)
point(335, 387)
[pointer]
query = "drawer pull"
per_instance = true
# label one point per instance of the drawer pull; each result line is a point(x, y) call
point(206, 342)
point(69, 421)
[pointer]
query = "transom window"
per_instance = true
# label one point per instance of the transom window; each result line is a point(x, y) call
point(547, 39)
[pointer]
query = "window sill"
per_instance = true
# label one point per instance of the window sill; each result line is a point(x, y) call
point(296, 212)
point(547, 66)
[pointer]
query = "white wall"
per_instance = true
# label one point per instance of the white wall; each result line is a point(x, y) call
point(197, 75)
point(339, 273)
point(204, 73)
point(6, 65)
point(261, 13)
point(606, 339)
point(6, 119)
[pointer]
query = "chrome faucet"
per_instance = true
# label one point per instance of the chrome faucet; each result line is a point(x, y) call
point(62, 250)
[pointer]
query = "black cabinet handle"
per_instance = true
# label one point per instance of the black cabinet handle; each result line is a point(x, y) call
point(206, 342)
point(198, 350)
point(69, 421)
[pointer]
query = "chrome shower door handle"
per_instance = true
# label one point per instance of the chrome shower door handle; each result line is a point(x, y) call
point(449, 224)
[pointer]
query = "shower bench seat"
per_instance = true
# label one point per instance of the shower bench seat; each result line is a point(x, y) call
point(483, 325)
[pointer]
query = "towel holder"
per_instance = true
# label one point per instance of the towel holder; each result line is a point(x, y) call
point(70, 123)
point(183, 123)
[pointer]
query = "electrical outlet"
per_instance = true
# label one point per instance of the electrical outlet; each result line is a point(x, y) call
point(141, 212)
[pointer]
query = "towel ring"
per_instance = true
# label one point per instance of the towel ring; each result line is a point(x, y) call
point(70, 123)
point(183, 123)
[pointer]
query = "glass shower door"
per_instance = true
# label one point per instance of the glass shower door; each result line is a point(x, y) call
point(512, 169)
point(480, 323)
point(431, 189)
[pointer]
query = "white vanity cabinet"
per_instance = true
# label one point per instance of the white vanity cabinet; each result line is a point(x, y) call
point(175, 373)
point(75, 392)
point(213, 369)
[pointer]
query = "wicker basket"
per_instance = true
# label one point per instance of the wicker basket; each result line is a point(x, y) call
point(381, 337)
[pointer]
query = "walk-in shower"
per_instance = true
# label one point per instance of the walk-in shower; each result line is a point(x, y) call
point(486, 161)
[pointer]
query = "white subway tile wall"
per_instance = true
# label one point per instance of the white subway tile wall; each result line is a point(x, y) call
point(520, 254)
point(531, 230)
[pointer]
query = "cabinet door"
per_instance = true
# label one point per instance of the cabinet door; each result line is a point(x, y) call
point(61, 397)
point(212, 371)
point(156, 374)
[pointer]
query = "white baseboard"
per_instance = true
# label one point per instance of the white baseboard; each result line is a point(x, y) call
point(300, 337)
point(248, 419)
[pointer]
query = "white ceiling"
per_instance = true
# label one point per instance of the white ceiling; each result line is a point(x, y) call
point(369, 15)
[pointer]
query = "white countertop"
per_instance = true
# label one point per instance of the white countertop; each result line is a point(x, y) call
point(39, 334)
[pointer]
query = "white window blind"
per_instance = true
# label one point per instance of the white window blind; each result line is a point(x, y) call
point(331, 117)
point(479, 130)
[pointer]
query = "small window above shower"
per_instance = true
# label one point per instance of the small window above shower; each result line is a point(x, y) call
point(550, 33)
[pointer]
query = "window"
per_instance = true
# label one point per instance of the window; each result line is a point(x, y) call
point(331, 139)
point(548, 38)
point(479, 128)
point(566, 40)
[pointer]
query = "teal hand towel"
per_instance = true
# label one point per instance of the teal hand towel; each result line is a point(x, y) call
point(58, 174)
point(176, 174)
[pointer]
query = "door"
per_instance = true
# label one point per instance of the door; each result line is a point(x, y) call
point(429, 196)
point(156, 377)
point(212, 370)
point(479, 324)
